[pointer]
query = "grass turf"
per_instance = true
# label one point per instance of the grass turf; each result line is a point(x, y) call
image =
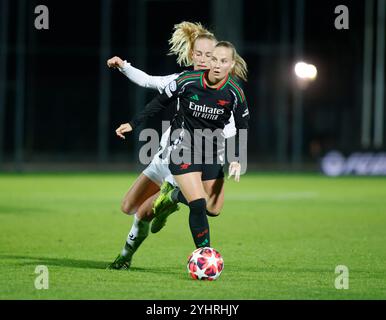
point(281, 237)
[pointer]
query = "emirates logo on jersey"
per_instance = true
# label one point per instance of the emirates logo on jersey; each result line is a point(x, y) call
point(205, 109)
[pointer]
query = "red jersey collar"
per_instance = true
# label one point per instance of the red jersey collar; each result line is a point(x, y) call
point(204, 75)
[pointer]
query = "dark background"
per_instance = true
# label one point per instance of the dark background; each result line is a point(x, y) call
point(61, 104)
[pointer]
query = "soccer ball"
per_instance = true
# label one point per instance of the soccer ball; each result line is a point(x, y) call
point(205, 264)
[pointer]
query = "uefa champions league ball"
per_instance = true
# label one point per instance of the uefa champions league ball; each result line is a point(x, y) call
point(205, 264)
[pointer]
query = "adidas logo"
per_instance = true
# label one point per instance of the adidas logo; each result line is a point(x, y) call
point(195, 97)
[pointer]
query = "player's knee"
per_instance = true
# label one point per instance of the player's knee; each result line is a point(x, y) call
point(127, 208)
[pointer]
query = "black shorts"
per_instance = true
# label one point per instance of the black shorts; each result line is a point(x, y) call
point(209, 171)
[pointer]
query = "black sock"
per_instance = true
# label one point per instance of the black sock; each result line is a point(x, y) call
point(210, 214)
point(198, 223)
point(177, 196)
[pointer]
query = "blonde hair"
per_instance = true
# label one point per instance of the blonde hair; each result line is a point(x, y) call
point(183, 38)
point(240, 69)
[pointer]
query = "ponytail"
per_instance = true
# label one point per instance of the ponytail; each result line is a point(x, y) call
point(183, 38)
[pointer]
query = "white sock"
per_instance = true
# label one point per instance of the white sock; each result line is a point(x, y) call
point(139, 231)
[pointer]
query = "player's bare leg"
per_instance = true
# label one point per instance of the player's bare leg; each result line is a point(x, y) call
point(165, 205)
point(145, 211)
point(139, 192)
point(215, 191)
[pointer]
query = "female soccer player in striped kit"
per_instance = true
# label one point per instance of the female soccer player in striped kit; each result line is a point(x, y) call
point(206, 100)
point(193, 45)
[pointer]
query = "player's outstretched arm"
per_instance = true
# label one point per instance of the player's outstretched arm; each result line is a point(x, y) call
point(160, 102)
point(140, 77)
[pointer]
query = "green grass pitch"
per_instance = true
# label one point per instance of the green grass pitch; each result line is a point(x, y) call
point(281, 237)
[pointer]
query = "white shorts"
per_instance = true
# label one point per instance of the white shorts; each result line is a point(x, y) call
point(158, 171)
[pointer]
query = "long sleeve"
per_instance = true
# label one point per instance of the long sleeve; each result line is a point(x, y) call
point(159, 103)
point(144, 80)
point(171, 92)
point(241, 115)
point(153, 107)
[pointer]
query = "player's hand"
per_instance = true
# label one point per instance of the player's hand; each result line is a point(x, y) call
point(123, 128)
point(235, 169)
point(115, 62)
